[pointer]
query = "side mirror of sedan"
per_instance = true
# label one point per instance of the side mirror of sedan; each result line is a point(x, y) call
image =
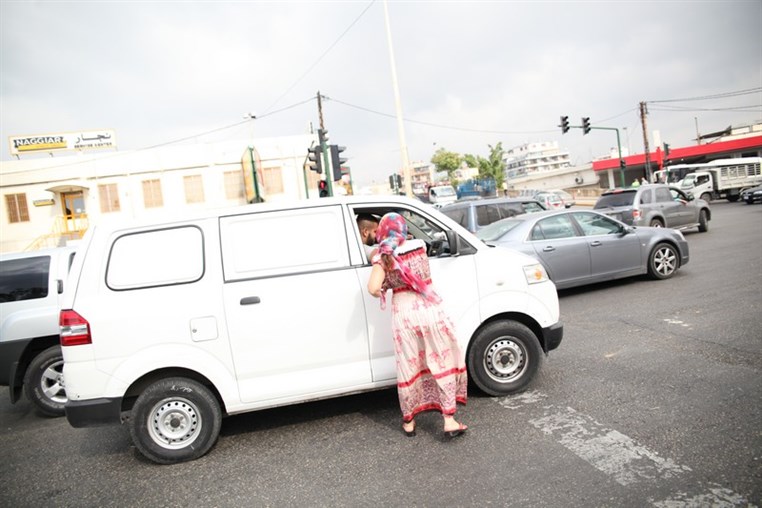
point(453, 242)
point(624, 230)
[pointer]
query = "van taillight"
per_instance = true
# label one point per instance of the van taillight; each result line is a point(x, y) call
point(75, 330)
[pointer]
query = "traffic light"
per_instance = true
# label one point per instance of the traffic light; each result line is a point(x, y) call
point(622, 164)
point(315, 159)
point(322, 188)
point(585, 125)
point(337, 160)
point(322, 136)
point(666, 150)
point(395, 182)
point(564, 124)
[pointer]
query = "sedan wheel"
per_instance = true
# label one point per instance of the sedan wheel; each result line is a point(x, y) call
point(663, 261)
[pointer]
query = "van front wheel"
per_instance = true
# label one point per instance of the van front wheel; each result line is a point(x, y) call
point(503, 358)
point(175, 420)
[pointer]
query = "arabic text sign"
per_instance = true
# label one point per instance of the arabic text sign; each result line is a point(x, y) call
point(83, 140)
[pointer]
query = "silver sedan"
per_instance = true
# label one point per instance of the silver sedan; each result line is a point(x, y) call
point(579, 247)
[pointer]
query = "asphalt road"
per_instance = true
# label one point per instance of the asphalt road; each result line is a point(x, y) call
point(654, 398)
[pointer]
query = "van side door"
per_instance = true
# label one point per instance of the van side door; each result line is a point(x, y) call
point(293, 305)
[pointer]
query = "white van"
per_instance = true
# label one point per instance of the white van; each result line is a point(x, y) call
point(32, 284)
point(442, 195)
point(174, 324)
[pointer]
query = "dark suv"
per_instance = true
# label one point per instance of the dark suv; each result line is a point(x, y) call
point(474, 214)
point(655, 205)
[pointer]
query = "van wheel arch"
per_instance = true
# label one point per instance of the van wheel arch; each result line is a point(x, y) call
point(141, 384)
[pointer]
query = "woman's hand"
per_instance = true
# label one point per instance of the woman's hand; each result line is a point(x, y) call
point(376, 280)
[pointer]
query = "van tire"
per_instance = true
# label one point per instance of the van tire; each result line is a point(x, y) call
point(503, 358)
point(706, 197)
point(175, 420)
point(43, 382)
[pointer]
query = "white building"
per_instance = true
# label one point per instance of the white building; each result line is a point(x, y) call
point(534, 157)
point(52, 201)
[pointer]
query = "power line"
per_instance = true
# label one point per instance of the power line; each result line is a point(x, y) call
point(742, 109)
point(317, 61)
point(724, 95)
point(431, 124)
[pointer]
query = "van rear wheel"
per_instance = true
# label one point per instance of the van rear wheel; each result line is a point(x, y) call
point(175, 420)
point(503, 358)
point(43, 382)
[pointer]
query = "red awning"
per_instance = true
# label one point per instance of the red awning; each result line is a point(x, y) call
point(688, 152)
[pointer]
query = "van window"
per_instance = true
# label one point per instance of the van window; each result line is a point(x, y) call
point(156, 258)
point(663, 195)
point(24, 279)
point(282, 243)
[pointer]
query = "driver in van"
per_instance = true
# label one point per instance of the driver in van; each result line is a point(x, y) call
point(367, 224)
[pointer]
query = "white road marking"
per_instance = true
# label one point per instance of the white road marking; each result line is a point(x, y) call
point(676, 322)
point(522, 399)
point(605, 449)
point(717, 497)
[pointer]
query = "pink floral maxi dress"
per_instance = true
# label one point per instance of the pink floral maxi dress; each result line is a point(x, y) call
point(431, 371)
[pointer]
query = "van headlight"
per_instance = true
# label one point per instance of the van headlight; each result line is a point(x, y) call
point(535, 273)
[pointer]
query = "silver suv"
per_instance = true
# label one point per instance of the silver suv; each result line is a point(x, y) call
point(655, 205)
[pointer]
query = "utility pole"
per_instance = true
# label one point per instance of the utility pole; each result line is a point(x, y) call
point(324, 145)
point(643, 113)
point(400, 126)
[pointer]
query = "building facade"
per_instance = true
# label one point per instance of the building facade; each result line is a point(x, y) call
point(51, 202)
point(532, 158)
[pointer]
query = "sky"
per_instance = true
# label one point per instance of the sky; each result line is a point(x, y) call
point(470, 74)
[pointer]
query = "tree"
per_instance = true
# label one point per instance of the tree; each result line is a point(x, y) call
point(491, 167)
point(444, 160)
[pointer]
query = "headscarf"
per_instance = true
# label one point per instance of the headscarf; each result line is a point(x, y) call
point(390, 235)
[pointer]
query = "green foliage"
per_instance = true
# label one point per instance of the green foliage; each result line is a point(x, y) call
point(444, 160)
point(492, 166)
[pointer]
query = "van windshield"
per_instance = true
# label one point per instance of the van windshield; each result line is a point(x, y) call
point(443, 191)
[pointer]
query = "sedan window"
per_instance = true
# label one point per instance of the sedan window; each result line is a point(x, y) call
point(558, 226)
point(593, 224)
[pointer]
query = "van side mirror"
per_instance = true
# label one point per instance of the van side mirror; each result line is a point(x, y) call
point(453, 241)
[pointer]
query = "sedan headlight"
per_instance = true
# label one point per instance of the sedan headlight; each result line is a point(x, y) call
point(535, 273)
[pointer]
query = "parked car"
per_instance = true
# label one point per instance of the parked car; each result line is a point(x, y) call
point(474, 214)
point(585, 247)
point(550, 200)
point(566, 198)
point(752, 195)
point(31, 288)
point(655, 205)
point(175, 322)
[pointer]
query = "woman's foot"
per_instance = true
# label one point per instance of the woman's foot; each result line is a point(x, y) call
point(409, 428)
point(452, 428)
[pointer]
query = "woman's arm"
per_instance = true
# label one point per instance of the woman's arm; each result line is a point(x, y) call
point(376, 280)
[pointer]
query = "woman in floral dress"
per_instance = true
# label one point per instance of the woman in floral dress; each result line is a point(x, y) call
point(431, 371)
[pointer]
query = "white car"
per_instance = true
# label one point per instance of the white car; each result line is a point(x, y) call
point(32, 284)
point(550, 200)
point(175, 323)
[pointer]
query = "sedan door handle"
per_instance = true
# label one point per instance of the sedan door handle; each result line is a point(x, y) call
point(596, 243)
point(250, 300)
point(549, 248)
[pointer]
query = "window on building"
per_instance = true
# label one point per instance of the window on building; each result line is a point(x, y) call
point(273, 180)
point(109, 197)
point(233, 185)
point(194, 189)
point(18, 211)
point(152, 194)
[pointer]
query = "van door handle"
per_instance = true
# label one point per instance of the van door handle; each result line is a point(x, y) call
point(549, 248)
point(250, 300)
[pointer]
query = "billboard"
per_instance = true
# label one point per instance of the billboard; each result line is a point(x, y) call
point(63, 141)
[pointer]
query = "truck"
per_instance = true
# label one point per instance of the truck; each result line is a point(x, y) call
point(719, 179)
